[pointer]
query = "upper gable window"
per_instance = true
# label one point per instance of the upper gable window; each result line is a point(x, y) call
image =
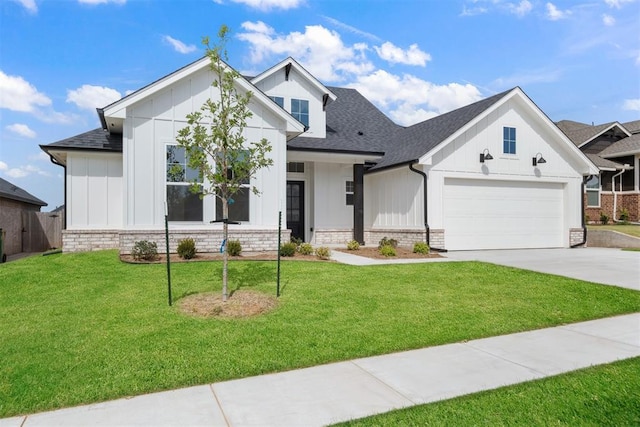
point(295, 167)
point(509, 140)
point(300, 110)
point(278, 100)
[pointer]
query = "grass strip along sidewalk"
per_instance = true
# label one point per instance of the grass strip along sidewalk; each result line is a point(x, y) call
point(82, 328)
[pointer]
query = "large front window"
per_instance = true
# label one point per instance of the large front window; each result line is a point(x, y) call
point(182, 203)
point(300, 110)
point(239, 202)
point(593, 191)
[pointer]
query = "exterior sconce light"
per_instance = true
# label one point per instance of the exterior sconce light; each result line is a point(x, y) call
point(485, 155)
point(538, 159)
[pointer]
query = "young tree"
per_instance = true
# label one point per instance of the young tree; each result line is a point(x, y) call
point(215, 144)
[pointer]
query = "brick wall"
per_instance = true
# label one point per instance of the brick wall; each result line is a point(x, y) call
point(576, 235)
point(206, 240)
point(629, 201)
point(405, 238)
point(332, 237)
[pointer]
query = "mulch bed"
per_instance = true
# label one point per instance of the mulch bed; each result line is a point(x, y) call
point(240, 303)
point(401, 253)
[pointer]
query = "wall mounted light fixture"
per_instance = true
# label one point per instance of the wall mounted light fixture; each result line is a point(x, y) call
point(485, 155)
point(538, 159)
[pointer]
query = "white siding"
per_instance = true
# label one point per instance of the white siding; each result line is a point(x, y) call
point(94, 191)
point(154, 122)
point(330, 208)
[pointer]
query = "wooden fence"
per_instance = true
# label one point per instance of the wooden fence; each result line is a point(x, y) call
point(41, 231)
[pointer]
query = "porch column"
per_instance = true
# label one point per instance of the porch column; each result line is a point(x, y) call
point(358, 203)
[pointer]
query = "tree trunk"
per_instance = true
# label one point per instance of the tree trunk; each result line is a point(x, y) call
point(225, 254)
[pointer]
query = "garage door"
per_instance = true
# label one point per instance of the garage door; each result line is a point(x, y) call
point(482, 214)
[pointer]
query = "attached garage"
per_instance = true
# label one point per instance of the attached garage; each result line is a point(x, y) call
point(496, 214)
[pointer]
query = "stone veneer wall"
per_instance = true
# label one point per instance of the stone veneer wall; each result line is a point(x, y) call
point(332, 237)
point(206, 240)
point(576, 235)
point(406, 238)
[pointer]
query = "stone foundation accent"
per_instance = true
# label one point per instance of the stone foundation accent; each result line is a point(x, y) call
point(405, 237)
point(207, 240)
point(332, 237)
point(575, 236)
point(89, 240)
point(436, 238)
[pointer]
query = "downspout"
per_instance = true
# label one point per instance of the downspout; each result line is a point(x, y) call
point(615, 195)
point(64, 218)
point(426, 214)
point(584, 225)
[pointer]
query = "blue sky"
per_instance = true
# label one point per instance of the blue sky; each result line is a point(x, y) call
point(60, 59)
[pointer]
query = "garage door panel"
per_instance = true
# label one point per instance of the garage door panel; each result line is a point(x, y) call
point(482, 214)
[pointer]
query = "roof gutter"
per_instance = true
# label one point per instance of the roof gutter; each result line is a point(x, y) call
point(103, 121)
point(426, 212)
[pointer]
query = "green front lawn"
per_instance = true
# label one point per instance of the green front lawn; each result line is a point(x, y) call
point(607, 395)
point(80, 328)
point(630, 229)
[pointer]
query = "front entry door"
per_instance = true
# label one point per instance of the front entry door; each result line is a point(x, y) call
point(295, 208)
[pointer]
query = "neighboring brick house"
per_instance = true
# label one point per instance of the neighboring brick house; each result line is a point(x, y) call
point(494, 174)
point(14, 202)
point(615, 149)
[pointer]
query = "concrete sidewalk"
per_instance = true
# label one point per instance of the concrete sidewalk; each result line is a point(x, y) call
point(341, 391)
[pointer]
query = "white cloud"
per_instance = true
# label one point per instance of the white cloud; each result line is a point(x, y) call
point(93, 2)
point(521, 9)
point(318, 49)
point(17, 94)
point(21, 171)
point(631, 104)
point(608, 20)
point(179, 46)
point(351, 29)
point(555, 14)
point(473, 11)
point(409, 99)
point(22, 130)
point(3, 166)
point(30, 5)
point(413, 56)
point(617, 3)
point(90, 97)
point(266, 5)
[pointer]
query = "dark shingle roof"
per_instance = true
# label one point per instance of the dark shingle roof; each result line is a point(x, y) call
point(579, 133)
point(411, 143)
point(630, 144)
point(604, 163)
point(13, 192)
point(633, 127)
point(354, 124)
point(97, 139)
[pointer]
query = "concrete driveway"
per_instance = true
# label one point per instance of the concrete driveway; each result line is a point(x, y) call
point(600, 265)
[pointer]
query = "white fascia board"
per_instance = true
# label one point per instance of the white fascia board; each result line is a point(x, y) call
point(324, 157)
point(314, 82)
point(588, 167)
point(614, 124)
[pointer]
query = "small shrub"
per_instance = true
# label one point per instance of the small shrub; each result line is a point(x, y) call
point(234, 248)
point(604, 218)
point(387, 250)
point(297, 241)
point(145, 250)
point(624, 215)
point(288, 249)
point(305, 249)
point(186, 248)
point(323, 252)
point(420, 248)
point(353, 245)
point(387, 242)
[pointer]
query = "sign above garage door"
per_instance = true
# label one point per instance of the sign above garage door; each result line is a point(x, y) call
point(487, 214)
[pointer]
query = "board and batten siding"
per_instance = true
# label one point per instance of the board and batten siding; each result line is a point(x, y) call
point(94, 191)
point(330, 208)
point(154, 122)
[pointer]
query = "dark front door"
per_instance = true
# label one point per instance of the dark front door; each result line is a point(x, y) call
point(295, 208)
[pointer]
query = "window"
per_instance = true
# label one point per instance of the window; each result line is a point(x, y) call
point(300, 110)
point(509, 140)
point(182, 203)
point(278, 100)
point(593, 191)
point(295, 167)
point(239, 202)
point(349, 192)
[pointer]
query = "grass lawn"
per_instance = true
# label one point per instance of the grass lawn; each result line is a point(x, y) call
point(607, 395)
point(630, 229)
point(81, 328)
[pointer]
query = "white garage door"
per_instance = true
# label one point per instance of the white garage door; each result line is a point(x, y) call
point(482, 214)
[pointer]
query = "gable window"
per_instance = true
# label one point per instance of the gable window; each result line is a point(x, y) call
point(300, 110)
point(278, 100)
point(593, 191)
point(182, 203)
point(295, 167)
point(349, 192)
point(238, 203)
point(509, 140)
